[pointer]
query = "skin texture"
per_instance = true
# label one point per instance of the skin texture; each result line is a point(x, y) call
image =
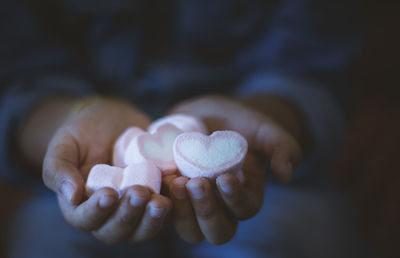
point(86, 138)
point(211, 209)
point(203, 209)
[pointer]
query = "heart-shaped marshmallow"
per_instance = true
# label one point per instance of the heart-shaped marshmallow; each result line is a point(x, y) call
point(122, 143)
point(184, 122)
point(145, 173)
point(102, 175)
point(156, 147)
point(198, 155)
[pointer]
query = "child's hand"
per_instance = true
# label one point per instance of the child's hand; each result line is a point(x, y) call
point(84, 140)
point(200, 210)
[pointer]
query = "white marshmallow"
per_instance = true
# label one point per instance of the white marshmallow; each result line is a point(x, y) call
point(146, 174)
point(156, 147)
point(184, 122)
point(102, 175)
point(122, 143)
point(198, 155)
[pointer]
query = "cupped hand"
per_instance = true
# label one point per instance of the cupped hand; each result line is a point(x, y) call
point(85, 139)
point(211, 209)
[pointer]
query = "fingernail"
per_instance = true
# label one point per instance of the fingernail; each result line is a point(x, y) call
point(227, 186)
point(136, 201)
point(107, 201)
point(156, 212)
point(67, 190)
point(179, 191)
point(197, 191)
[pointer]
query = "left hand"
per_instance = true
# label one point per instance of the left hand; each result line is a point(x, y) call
point(211, 209)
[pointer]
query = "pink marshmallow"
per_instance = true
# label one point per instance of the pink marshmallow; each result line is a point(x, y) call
point(101, 176)
point(122, 143)
point(146, 174)
point(198, 155)
point(184, 122)
point(156, 147)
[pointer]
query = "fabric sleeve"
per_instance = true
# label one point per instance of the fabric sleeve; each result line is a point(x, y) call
point(32, 68)
point(305, 57)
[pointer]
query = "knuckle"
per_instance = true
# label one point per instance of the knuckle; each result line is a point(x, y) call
point(221, 240)
point(128, 218)
point(138, 239)
point(84, 227)
point(206, 212)
point(224, 236)
point(106, 239)
point(164, 203)
point(193, 239)
point(251, 210)
point(246, 216)
point(150, 232)
point(141, 190)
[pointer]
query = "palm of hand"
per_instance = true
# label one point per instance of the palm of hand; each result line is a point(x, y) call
point(203, 212)
point(86, 139)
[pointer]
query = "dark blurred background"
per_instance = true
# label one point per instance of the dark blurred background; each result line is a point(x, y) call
point(368, 169)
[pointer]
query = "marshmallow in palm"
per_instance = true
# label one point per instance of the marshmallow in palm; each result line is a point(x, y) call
point(184, 122)
point(168, 148)
point(102, 175)
point(121, 145)
point(198, 155)
point(155, 147)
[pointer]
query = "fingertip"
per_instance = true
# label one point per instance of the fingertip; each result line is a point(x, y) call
point(107, 201)
point(159, 206)
point(197, 181)
point(106, 197)
point(283, 170)
point(197, 188)
point(67, 189)
point(227, 183)
point(138, 195)
point(63, 178)
point(142, 191)
point(71, 192)
point(180, 180)
point(178, 188)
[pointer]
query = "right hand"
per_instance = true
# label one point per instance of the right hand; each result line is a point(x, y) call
point(85, 139)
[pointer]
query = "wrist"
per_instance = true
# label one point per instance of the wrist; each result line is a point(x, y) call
point(285, 114)
point(40, 125)
point(45, 118)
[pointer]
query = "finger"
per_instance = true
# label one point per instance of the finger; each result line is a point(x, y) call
point(60, 168)
point(91, 214)
point(282, 149)
point(244, 200)
point(167, 183)
point(184, 220)
point(214, 223)
point(153, 218)
point(123, 222)
point(234, 197)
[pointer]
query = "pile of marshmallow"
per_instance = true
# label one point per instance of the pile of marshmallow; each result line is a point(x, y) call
point(174, 144)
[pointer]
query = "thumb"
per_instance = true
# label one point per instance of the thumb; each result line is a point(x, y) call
point(60, 168)
point(280, 147)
